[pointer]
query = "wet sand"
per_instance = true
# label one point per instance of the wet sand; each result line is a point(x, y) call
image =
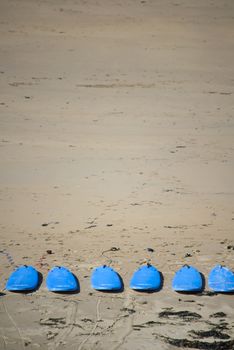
point(117, 131)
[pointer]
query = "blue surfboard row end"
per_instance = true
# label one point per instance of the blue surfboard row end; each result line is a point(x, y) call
point(104, 278)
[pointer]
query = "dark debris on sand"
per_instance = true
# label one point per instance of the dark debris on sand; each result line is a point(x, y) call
point(184, 315)
point(219, 315)
point(210, 333)
point(197, 344)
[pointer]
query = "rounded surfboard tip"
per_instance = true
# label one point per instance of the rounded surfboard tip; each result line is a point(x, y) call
point(221, 279)
point(61, 279)
point(187, 279)
point(24, 278)
point(104, 278)
point(146, 278)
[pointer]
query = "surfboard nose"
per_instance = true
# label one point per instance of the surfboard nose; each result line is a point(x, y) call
point(187, 279)
point(146, 278)
point(61, 279)
point(106, 279)
point(24, 278)
point(221, 279)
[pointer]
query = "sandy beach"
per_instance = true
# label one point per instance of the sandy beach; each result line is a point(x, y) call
point(117, 135)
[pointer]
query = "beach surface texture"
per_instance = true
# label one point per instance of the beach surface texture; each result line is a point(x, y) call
point(116, 148)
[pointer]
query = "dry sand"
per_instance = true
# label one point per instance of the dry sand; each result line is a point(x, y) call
point(117, 130)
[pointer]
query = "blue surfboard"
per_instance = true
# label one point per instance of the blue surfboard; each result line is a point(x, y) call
point(24, 278)
point(147, 277)
point(60, 279)
point(221, 279)
point(187, 279)
point(106, 279)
